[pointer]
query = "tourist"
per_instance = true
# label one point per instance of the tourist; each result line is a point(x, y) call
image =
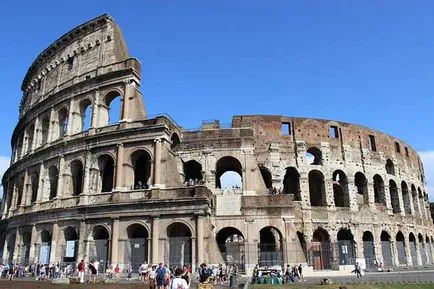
point(152, 275)
point(81, 269)
point(143, 271)
point(300, 273)
point(161, 274)
point(92, 270)
point(178, 282)
point(117, 272)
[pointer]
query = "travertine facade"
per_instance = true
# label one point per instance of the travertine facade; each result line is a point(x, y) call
point(116, 189)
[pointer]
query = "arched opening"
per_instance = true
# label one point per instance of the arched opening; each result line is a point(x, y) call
point(379, 195)
point(406, 198)
point(63, 121)
point(30, 136)
point(175, 141)
point(421, 203)
point(20, 147)
point(113, 102)
point(231, 245)
point(390, 167)
point(394, 197)
point(317, 189)
point(141, 162)
point(412, 242)
point(428, 250)
point(400, 248)
point(266, 176)
point(386, 249)
point(99, 247)
point(270, 247)
point(106, 166)
point(314, 156)
point(422, 249)
point(85, 114)
point(415, 201)
point(179, 245)
point(77, 177)
point(71, 245)
point(361, 184)
point(34, 179)
point(25, 248)
point(291, 183)
point(369, 249)
point(340, 189)
point(347, 251)
point(45, 247)
point(136, 250)
point(320, 254)
point(45, 128)
point(20, 190)
point(53, 175)
point(193, 172)
point(228, 173)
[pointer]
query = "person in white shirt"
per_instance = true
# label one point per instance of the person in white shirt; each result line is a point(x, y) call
point(143, 271)
point(178, 282)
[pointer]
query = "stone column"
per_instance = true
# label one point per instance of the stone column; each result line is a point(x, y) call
point(26, 144)
point(407, 250)
point(17, 245)
point(394, 253)
point(5, 249)
point(61, 178)
point(95, 110)
point(82, 251)
point(352, 195)
point(26, 200)
point(84, 196)
point(157, 162)
point(387, 198)
point(71, 114)
point(51, 128)
point(328, 189)
point(33, 243)
point(200, 235)
point(155, 237)
point(410, 198)
point(119, 183)
point(401, 201)
point(194, 258)
point(418, 252)
point(127, 100)
point(41, 184)
point(304, 190)
point(54, 236)
point(115, 240)
point(36, 139)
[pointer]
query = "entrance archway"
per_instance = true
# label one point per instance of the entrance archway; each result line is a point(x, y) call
point(25, 250)
point(320, 255)
point(270, 247)
point(400, 247)
point(347, 250)
point(45, 247)
point(231, 245)
point(369, 249)
point(71, 245)
point(386, 249)
point(412, 242)
point(136, 248)
point(179, 245)
point(100, 246)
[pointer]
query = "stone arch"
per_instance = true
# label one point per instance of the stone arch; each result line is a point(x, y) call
point(270, 247)
point(320, 254)
point(77, 177)
point(394, 198)
point(400, 248)
point(406, 198)
point(100, 245)
point(175, 141)
point(30, 137)
point(361, 184)
point(317, 189)
point(62, 118)
point(291, 183)
point(340, 189)
point(136, 249)
point(314, 156)
point(111, 112)
point(141, 162)
point(347, 251)
point(412, 243)
point(45, 247)
point(230, 242)
point(379, 193)
point(53, 176)
point(70, 249)
point(45, 129)
point(369, 249)
point(192, 172)
point(106, 166)
point(422, 251)
point(266, 177)
point(225, 165)
point(34, 181)
point(25, 247)
point(179, 247)
point(386, 249)
point(428, 248)
point(85, 110)
point(390, 167)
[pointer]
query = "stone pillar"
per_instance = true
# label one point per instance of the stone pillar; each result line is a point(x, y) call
point(200, 235)
point(418, 252)
point(41, 184)
point(33, 243)
point(194, 258)
point(394, 253)
point(304, 191)
point(352, 195)
point(61, 178)
point(407, 250)
point(387, 198)
point(119, 183)
point(82, 242)
point(25, 143)
point(155, 238)
point(51, 129)
point(36, 139)
point(410, 198)
point(71, 115)
point(157, 162)
point(54, 236)
point(5, 249)
point(328, 189)
point(17, 245)
point(95, 110)
point(371, 195)
point(84, 196)
point(401, 201)
point(26, 200)
point(115, 241)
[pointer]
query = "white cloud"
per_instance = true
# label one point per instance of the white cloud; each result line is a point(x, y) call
point(428, 165)
point(4, 164)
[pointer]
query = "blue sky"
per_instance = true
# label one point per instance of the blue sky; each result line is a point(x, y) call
point(365, 62)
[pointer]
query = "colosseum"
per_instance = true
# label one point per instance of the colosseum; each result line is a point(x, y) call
point(85, 184)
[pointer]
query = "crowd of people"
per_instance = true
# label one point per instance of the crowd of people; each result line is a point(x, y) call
point(193, 182)
point(272, 275)
point(39, 271)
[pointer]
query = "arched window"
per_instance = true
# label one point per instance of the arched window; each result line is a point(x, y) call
point(45, 246)
point(99, 247)
point(390, 167)
point(314, 156)
point(141, 162)
point(193, 172)
point(317, 189)
point(106, 166)
point(362, 188)
point(400, 247)
point(63, 121)
point(231, 245)
point(228, 173)
point(271, 247)
point(175, 141)
point(85, 114)
point(30, 135)
point(53, 175)
point(379, 194)
point(20, 190)
point(112, 111)
point(45, 127)
point(394, 197)
point(266, 176)
point(20, 146)
point(71, 239)
point(34, 178)
point(77, 177)
point(406, 198)
point(179, 250)
point(340, 189)
point(291, 183)
point(137, 249)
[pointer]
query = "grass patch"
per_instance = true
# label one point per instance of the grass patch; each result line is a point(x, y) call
point(349, 286)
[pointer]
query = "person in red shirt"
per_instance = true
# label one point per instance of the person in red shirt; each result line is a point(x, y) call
point(117, 272)
point(81, 269)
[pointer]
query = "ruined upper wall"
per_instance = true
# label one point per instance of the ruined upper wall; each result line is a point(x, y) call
point(84, 49)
